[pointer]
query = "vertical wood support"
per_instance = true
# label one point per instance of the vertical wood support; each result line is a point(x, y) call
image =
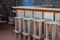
point(54, 32)
point(42, 14)
point(59, 35)
point(34, 30)
point(29, 30)
point(54, 16)
point(15, 24)
point(44, 30)
point(32, 14)
point(19, 23)
point(40, 29)
point(24, 13)
point(24, 29)
point(16, 27)
point(47, 37)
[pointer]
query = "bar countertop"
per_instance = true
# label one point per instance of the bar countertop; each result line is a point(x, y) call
point(36, 8)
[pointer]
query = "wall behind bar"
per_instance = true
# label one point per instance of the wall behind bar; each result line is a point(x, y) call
point(54, 3)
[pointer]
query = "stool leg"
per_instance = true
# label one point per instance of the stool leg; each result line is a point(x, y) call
point(16, 35)
point(20, 28)
point(40, 29)
point(59, 35)
point(34, 30)
point(54, 32)
point(47, 32)
point(28, 29)
point(44, 30)
point(24, 27)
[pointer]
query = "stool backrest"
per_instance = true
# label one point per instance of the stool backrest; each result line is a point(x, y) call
point(20, 13)
point(57, 17)
point(48, 16)
point(37, 14)
point(28, 13)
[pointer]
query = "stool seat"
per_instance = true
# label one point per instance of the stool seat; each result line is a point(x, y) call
point(39, 20)
point(58, 24)
point(18, 17)
point(17, 31)
point(46, 39)
point(27, 18)
point(25, 34)
point(52, 22)
point(37, 37)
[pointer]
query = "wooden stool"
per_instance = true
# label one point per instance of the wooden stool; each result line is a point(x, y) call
point(52, 29)
point(58, 31)
point(18, 26)
point(24, 28)
point(59, 35)
point(39, 36)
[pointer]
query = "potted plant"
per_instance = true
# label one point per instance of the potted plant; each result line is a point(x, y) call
point(11, 18)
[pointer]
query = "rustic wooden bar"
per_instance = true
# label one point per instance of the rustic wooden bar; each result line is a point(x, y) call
point(52, 14)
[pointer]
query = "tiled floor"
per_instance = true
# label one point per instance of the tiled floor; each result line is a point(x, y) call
point(7, 33)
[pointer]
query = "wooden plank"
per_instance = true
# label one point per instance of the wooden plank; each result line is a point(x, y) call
point(54, 28)
point(34, 30)
point(47, 31)
point(29, 30)
point(37, 8)
point(40, 30)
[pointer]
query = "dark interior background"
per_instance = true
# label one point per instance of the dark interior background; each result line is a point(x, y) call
point(54, 3)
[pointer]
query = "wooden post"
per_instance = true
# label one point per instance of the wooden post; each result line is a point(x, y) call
point(19, 23)
point(44, 30)
point(24, 29)
point(15, 24)
point(16, 27)
point(59, 35)
point(28, 29)
point(34, 30)
point(54, 16)
point(54, 32)
point(40, 29)
point(47, 32)
point(32, 14)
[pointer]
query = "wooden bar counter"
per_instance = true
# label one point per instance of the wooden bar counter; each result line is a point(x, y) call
point(51, 14)
point(30, 10)
point(37, 8)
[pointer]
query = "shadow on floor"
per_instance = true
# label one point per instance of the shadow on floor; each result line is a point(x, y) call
point(7, 33)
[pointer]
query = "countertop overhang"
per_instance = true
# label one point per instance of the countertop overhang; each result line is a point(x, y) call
point(36, 8)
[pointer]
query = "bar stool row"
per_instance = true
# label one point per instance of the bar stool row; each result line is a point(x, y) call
point(35, 29)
